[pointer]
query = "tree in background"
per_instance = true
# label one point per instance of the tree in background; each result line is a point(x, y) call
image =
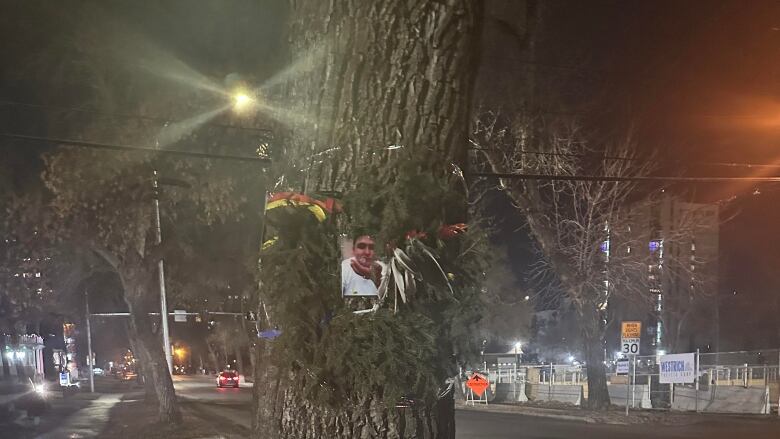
point(571, 220)
point(119, 82)
point(508, 313)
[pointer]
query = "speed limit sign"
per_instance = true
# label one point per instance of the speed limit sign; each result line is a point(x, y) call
point(630, 335)
point(629, 346)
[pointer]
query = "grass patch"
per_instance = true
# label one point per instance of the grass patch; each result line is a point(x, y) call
point(137, 419)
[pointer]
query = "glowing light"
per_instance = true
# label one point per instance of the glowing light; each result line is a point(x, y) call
point(242, 101)
point(40, 389)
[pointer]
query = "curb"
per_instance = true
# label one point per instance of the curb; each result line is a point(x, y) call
point(522, 411)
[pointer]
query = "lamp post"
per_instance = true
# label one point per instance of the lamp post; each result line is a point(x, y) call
point(242, 101)
point(161, 278)
point(518, 350)
point(90, 360)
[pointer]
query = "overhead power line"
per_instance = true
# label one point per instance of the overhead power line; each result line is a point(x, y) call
point(144, 149)
point(127, 115)
point(549, 177)
point(597, 156)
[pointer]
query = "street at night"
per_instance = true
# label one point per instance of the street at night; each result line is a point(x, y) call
point(389, 219)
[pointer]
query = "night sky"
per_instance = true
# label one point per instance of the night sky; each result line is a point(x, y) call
point(697, 79)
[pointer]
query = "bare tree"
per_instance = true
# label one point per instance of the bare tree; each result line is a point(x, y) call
point(570, 220)
point(597, 244)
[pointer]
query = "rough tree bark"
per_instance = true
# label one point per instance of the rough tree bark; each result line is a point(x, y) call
point(148, 343)
point(396, 72)
point(239, 359)
point(213, 360)
point(150, 395)
point(385, 80)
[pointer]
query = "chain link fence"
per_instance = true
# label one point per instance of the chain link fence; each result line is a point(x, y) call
point(720, 378)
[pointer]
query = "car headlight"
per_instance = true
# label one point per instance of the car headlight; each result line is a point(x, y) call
point(40, 390)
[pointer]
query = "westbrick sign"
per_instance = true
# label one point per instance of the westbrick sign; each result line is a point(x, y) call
point(677, 368)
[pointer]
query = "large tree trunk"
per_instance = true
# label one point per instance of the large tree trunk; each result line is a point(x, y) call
point(213, 360)
point(265, 424)
point(392, 73)
point(239, 359)
point(143, 369)
point(593, 338)
point(252, 362)
point(156, 366)
point(150, 346)
point(387, 81)
point(367, 419)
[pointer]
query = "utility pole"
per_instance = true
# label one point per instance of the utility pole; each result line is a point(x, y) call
point(161, 273)
point(89, 347)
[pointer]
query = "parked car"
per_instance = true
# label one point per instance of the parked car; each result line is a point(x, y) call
point(227, 378)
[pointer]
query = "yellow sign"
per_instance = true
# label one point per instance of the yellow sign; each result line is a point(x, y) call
point(631, 330)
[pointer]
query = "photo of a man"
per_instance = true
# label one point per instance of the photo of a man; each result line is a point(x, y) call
point(361, 272)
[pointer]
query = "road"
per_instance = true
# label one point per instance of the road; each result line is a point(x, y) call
point(234, 404)
point(482, 425)
point(200, 393)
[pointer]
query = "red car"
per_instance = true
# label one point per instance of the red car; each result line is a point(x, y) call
point(227, 379)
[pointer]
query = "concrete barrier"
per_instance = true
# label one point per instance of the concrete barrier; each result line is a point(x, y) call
point(568, 393)
point(723, 399)
point(641, 397)
point(509, 392)
point(740, 400)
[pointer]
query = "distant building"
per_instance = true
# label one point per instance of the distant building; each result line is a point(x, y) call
point(678, 242)
point(22, 357)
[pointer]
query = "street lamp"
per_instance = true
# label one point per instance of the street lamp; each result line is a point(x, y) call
point(518, 351)
point(242, 101)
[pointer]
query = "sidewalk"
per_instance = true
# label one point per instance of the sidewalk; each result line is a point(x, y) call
point(88, 422)
point(10, 392)
point(614, 416)
point(81, 415)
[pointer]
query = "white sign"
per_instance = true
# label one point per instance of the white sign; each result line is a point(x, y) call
point(629, 346)
point(630, 333)
point(622, 367)
point(179, 315)
point(677, 368)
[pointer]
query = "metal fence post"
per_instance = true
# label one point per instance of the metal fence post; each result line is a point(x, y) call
point(697, 379)
point(549, 383)
point(633, 387)
point(628, 390)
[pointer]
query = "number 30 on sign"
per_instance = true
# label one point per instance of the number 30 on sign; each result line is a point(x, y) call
point(630, 334)
point(629, 346)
